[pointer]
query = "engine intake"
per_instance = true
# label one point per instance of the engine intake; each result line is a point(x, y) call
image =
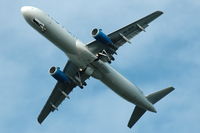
point(100, 36)
point(59, 75)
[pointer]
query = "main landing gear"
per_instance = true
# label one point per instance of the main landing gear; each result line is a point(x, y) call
point(105, 56)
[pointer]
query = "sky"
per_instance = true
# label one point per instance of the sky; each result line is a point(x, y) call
point(166, 55)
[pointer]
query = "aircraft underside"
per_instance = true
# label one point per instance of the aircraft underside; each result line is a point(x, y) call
point(92, 60)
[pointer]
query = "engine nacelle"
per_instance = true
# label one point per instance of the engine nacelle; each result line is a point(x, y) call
point(59, 75)
point(100, 36)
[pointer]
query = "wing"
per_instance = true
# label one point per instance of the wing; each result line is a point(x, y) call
point(61, 91)
point(123, 35)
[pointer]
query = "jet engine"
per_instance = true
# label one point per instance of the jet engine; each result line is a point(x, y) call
point(59, 75)
point(100, 36)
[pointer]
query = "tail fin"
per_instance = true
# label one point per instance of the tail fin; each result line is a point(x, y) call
point(153, 98)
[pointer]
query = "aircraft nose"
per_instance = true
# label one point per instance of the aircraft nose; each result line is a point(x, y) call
point(26, 11)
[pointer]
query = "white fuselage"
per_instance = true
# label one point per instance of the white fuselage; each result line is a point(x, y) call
point(79, 54)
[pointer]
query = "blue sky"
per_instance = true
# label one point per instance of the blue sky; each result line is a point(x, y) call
point(166, 55)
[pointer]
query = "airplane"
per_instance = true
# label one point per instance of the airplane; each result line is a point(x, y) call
point(92, 60)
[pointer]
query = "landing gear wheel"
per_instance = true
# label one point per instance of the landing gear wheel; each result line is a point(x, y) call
point(81, 87)
point(84, 83)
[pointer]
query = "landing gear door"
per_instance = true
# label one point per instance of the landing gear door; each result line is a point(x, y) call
point(39, 24)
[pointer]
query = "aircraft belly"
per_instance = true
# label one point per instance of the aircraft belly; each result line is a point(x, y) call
point(123, 87)
point(52, 30)
point(83, 57)
point(92, 60)
point(61, 38)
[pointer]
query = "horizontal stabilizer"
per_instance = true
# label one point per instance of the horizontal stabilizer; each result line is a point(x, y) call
point(136, 115)
point(153, 98)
